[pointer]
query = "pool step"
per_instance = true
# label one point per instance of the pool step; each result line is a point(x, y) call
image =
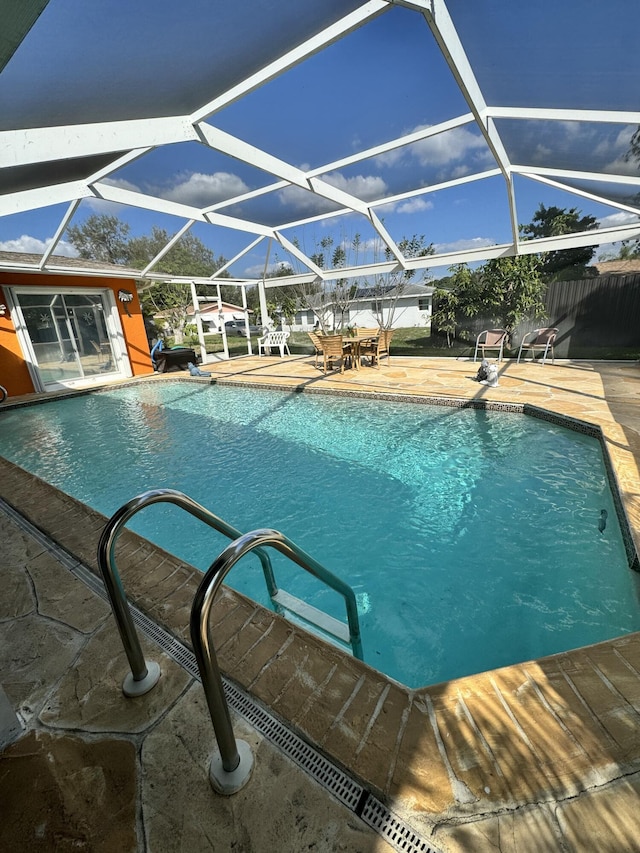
point(312, 615)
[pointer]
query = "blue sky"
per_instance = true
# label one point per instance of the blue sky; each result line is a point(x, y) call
point(381, 81)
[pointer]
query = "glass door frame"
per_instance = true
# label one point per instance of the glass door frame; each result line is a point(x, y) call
point(115, 334)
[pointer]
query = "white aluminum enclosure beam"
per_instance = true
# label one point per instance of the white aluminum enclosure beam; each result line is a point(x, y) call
point(44, 144)
point(234, 147)
point(445, 33)
point(20, 202)
point(387, 239)
point(108, 192)
point(295, 251)
point(366, 12)
point(173, 208)
point(224, 142)
point(604, 177)
point(236, 257)
point(171, 243)
point(551, 114)
point(445, 185)
point(59, 232)
point(391, 145)
point(618, 205)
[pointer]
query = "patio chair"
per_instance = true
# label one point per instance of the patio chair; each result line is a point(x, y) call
point(540, 340)
point(315, 340)
point(379, 347)
point(491, 339)
point(333, 349)
point(273, 339)
point(364, 341)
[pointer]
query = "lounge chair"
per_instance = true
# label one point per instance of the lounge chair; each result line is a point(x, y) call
point(491, 339)
point(540, 340)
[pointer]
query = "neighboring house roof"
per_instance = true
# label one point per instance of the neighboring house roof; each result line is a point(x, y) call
point(212, 308)
point(401, 291)
point(618, 267)
point(26, 262)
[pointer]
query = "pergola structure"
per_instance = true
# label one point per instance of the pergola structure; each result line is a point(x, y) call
point(103, 103)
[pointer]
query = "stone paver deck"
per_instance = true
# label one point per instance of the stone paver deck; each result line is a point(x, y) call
point(538, 756)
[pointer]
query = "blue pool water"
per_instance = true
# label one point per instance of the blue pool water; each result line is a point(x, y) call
point(470, 538)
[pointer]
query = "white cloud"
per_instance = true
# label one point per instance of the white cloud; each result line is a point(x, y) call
point(464, 245)
point(34, 246)
point(365, 187)
point(447, 147)
point(439, 150)
point(414, 205)
point(257, 270)
point(122, 184)
point(201, 190)
point(614, 220)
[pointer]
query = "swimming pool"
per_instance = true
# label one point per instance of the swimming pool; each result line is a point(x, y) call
point(470, 537)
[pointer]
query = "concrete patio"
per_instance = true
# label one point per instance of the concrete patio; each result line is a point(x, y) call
point(539, 756)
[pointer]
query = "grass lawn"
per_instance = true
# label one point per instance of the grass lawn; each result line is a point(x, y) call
point(418, 341)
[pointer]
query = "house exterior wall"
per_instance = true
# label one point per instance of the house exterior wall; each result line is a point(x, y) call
point(14, 374)
point(407, 313)
point(211, 317)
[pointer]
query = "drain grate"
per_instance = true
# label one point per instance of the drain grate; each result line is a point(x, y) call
point(350, 793)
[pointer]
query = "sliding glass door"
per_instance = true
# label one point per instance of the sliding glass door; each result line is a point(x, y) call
point(68, 335)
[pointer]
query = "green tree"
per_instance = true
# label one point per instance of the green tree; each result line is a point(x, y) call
point(101, 238)
point(106, 238)
point(629, 250)
point(504, 290)
point(563, 264)
point(280, 300)
point(517, 290)
point(188, 257)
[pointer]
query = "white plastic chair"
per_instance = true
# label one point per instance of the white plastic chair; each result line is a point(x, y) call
point(273, 339)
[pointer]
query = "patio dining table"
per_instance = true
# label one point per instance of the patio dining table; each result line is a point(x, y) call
point(356, 341)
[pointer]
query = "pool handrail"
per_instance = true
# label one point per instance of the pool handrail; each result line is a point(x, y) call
point(231, 760)
point(144, 676)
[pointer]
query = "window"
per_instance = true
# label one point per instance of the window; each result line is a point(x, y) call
point(424, 303)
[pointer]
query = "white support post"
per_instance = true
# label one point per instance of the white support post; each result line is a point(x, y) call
point(262, 293)
point(196, 310)
point(225, 345)
point(243, 290)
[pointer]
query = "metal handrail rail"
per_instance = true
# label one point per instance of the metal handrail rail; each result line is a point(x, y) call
point(203, 645)
point(144, 675)
point(141, 680)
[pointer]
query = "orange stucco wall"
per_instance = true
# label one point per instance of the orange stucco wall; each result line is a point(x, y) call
point(13, 370)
